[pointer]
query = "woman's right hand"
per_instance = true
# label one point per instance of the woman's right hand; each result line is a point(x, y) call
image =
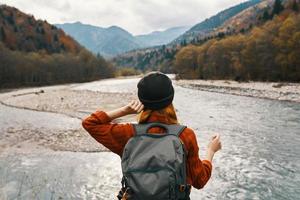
point(134, 107)
point(215, 143)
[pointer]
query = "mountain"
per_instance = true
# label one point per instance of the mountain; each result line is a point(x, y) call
point(215, 21)
point(268, 51)
point(106, 41)
point(19, 31)
point(161, 58)
point(157, 38)
point(114, 40)
point(243, 21)
point(259, 43)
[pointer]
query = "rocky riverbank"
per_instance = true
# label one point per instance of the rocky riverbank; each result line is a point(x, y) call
point(61, 100)
point(74, 101)
point(44, 151)
point(46, 154)
point(268, 90)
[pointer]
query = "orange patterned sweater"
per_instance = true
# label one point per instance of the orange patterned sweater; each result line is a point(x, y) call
point(114, 136)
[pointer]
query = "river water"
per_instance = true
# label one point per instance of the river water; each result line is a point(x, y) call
point(259, 160)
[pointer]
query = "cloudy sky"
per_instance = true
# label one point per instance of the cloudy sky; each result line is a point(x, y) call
point(136, 16)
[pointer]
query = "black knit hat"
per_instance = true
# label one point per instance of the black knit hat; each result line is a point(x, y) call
point(155, 91)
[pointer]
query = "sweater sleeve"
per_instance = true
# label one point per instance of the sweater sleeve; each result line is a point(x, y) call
point(199, 171)
point(113, 136)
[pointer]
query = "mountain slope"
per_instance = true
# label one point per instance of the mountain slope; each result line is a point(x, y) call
point(34, 52)
point(162, 58)
point(161, 37)
point(20, 31)
point(215, 21)
point(267, 52)
point(245, 19)
point(106, 41)
point(115, 40)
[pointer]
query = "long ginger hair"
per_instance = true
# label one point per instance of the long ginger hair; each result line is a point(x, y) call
point(169, 112)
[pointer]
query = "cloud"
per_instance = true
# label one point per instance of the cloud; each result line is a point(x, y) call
point(136, 16)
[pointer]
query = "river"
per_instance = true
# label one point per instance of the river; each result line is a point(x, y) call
point(259, 160)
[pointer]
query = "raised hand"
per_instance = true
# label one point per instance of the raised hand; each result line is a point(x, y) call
point(215, 143)
point(133, 107)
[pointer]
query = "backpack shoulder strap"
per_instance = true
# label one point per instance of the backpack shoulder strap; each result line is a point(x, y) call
point(174, 129)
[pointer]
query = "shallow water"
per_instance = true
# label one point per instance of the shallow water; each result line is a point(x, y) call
point(259, 160)
point(46, 174)
point(59, 175)
point(261, 144)
point(260, 156)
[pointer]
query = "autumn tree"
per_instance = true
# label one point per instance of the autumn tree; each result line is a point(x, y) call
point(33, 52)
point(267, 53)
point(40, 68)
point(287, 46)
point(186, 62)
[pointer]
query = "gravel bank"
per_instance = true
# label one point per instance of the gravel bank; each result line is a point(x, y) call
point(57, 102)
point(276, 91)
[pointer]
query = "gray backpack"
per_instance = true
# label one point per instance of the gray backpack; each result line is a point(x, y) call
point(154, 165)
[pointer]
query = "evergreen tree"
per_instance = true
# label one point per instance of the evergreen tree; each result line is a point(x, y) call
point(99, 56)
point(295, 6)
point(221, 35)
point(62, 46)
point(55, 38)
point(16, 29)
point(30, 20)
point(278, 7)
point(10, 19)
point(3, 35)
point(42, 31)
point(266, 15)
point(37, 29)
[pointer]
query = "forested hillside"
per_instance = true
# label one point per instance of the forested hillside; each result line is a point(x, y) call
point(269, 52)
point(19, 31)
point(213, 22)
point(247, 46)
point(34, 52)
point(161, 57)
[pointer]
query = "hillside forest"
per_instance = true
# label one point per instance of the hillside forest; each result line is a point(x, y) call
point(270, 52)
point(263, 47)
point(34, 52)
point(260, 43)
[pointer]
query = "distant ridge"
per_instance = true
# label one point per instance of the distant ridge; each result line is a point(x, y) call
point(157, 38)
point(218, 26)
point(114, 40)
point(215, 21)
point(106, 41)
